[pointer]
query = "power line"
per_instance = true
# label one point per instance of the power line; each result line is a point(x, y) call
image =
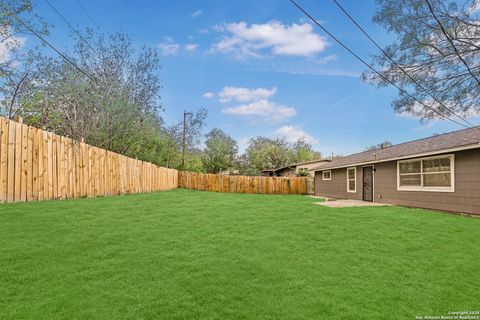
point(88, 14)
point(395, 63)
point(71, 26)
point(46, 42)
point(63, 18)
point(370, 67)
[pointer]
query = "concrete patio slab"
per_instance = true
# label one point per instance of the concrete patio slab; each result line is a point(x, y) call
point(346, 203)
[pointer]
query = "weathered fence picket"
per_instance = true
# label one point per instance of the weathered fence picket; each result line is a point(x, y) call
point(242, 184)
point(40, 165)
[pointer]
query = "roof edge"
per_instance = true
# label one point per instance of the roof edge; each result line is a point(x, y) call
point(294, 165)
point(415, 155)
point(311, 161)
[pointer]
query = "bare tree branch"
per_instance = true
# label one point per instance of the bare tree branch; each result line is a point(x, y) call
point(447, 36)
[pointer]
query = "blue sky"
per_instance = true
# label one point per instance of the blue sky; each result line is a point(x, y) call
point(259, 67)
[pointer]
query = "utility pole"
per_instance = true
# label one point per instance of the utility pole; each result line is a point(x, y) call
point(184, 137)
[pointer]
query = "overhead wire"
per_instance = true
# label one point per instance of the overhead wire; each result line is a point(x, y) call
point(46, 42)
point(88, 14)
point(63, 18)
point(389, 57)
point(372, 68)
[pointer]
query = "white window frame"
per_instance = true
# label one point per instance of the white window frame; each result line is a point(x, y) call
point(451, 188)
point(354, 179)
point(323, 175)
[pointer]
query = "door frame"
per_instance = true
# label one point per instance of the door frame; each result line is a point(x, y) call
point(373, 182)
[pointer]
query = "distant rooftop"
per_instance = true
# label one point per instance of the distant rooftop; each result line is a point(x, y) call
point(294, 165)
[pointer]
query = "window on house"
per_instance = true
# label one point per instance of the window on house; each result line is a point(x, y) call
point(352, 179)
point(428, 174)
point(327, 175)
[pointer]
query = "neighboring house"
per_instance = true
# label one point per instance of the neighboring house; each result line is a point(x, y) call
point(310, 165)
point(288, 171)
point(291, 170)
point(441, 172)
point(229, 172)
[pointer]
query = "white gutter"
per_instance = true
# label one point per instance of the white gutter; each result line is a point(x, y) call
point(417, 155)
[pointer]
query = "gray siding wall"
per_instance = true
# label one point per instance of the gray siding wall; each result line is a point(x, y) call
point(337, 186)
point(466, 197)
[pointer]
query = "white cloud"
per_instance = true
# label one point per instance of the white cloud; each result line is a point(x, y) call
point(293, 133)
point(208, 95)
point(418, 110)
point(252, 41)
point(256, 104)
point(322, 73)
point(414, 113)
point(300, 67)
point(245, 94)
point(327, 59)
point(312, 70)
point(169, 47)
point(307, 20)
point(264, 110)
point(243, 144)
point(426, 125)
point(196, 13)
point(474, 7)
point(8, 45)
point(191, 46)
point(219, 28)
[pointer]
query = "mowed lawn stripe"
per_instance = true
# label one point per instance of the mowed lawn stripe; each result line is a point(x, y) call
point(198, 255)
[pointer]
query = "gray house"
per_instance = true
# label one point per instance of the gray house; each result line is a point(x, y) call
point(441, 172)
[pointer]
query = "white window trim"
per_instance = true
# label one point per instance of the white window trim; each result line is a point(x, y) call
point(354, 179)
point(323, 175)
point(431, 189)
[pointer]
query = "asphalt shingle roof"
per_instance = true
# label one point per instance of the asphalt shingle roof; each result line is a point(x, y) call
point(432, 144)
point(294, 165)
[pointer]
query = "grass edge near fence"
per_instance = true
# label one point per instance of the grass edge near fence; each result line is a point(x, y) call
point(232, 255)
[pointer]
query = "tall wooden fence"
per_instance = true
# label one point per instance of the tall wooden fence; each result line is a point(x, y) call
point(39, 165)
point(242, 184)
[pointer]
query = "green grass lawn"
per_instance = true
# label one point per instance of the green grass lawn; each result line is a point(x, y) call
point(197, 255)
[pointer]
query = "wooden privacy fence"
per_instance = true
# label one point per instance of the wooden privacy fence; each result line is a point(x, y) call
point(242, 184)
point(39, 165)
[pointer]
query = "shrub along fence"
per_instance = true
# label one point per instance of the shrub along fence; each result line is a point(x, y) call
point(40, 165)
point(242, 184)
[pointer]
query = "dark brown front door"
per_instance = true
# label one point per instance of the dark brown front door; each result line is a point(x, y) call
point(368, 183)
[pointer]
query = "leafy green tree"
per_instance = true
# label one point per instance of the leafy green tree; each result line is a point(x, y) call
point(169, 154)
point(437, 45)
point(242, 165)
point(303, 151)
point(195, 161)
point(15, 56)
point(266, 153)
point(115, 106)
point(303, 173)
point(379, 146)
point(220, 151)
point(195, 123)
